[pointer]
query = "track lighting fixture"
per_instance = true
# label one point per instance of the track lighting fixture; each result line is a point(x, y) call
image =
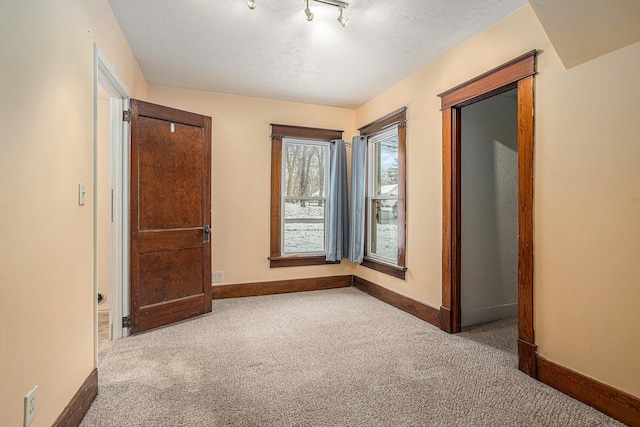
point(341, 5)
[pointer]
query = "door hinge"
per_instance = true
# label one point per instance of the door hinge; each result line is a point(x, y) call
point(207, 233)
point(126, 322)
point(126, 116)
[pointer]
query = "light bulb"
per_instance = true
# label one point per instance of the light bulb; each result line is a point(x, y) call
point(251, 4)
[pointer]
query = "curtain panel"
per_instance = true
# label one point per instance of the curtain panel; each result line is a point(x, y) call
point(337, 203)
point(358, 194)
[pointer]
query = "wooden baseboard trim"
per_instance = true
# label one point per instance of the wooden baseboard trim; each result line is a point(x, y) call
point(75, 411)
point(615, 403)
point(527, 358)
point(445, 320)
point(280, 287)
point(411, 306)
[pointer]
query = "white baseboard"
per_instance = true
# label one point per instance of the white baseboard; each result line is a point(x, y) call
point(489, 314)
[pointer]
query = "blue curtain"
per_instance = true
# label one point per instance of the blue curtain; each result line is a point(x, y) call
point(358, 194)
point(337, 203)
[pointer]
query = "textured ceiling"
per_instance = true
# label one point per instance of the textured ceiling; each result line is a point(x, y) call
point(581, 30)
point(273, 52)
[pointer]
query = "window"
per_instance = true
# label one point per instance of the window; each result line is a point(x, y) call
point(382, 189)
point(299, 191)
point(385, 203)
point(305, 180)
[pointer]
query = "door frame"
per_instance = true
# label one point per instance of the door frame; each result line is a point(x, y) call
point(518, 73)
point(106, 77)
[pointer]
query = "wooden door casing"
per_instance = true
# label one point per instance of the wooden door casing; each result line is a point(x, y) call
point(517, 73)
point(170, 205)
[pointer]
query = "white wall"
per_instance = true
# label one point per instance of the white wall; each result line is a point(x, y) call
point(489, 268)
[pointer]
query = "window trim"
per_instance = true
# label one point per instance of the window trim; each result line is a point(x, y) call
point(278, 133)
point(396, 118)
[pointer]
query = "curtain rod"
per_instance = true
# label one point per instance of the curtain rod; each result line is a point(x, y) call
point(347, 143)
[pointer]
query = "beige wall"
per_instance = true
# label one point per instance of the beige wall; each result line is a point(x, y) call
point(587, 216)
point(241, 154)
point(46, 149)
point(587, 194)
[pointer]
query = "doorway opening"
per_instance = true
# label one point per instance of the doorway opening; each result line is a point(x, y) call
point(489, 220)
point(515, 74)
point(103, 217)
point(110, 202)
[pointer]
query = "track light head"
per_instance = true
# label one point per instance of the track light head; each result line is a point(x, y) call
point(251, 4)
point(307, 12)
point(310, 15)
point(341, 19)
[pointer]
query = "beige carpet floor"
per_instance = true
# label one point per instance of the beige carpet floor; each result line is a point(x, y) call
point(327, 358)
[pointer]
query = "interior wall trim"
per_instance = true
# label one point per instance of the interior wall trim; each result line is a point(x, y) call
point(79, 404)
point(491, 82)
point(280, 287)
point(409, 305)
point(613, 402)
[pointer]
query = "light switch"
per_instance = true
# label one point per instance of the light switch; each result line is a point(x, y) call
point(81, 194)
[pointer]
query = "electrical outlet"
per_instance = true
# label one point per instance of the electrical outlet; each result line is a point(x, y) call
point(217, 276)
point(30, 406)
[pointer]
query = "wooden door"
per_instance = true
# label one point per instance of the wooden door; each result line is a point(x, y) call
point(170, 202)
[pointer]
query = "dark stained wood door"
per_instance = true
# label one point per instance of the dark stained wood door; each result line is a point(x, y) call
point(170, 202)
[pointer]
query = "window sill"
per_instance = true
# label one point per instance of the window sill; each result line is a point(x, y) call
point(391, 270)
point(297, 261)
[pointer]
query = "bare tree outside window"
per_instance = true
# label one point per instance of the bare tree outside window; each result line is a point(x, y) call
point(305, 182)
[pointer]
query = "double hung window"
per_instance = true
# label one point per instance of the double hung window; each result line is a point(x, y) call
point(299, 193)
point(385, 221)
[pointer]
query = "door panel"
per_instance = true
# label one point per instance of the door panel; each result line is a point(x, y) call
point(170, 175)
point(170, 207)
point(170, 275)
